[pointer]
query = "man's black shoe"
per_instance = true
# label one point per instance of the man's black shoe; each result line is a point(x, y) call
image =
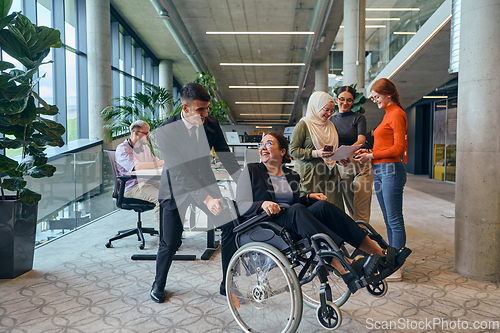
point(222, 289)
point(158, 295)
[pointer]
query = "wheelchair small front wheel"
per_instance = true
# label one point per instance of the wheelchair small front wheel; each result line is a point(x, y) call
point(310, 291)
point(262, 290)
point(330, 318)
point(378, 289)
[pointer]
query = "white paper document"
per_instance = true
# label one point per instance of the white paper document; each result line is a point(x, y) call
point(344, 152)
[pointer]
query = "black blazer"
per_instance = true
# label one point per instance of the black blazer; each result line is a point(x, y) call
point(255, 187)
point(187, 172)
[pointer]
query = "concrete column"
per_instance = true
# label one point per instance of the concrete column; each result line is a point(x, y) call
point(304, 106)
point(354, 43)
point(321, 76)
point(166, 80)
point(477, 194)
point(99, 63)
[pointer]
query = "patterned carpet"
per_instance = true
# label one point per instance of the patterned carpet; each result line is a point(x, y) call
point(78, 285)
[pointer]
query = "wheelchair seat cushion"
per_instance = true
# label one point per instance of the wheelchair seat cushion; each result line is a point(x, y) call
point(264, 235)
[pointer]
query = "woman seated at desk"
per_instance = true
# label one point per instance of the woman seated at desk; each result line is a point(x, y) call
point(269, 186)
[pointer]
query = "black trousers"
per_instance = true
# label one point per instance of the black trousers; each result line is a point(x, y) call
point(171, 229)
point(321, 217)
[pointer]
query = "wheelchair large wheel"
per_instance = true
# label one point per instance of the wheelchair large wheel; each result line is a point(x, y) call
point(310, 291)
point(262, 290)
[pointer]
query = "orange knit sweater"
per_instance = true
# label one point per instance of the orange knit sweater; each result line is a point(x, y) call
point(390, 136)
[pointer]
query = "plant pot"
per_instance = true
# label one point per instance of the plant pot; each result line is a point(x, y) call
point(17, 237)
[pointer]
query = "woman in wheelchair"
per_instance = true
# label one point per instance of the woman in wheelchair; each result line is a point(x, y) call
point(271, 187)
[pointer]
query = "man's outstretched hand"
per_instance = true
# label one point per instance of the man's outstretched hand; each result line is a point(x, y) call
point(213, 205)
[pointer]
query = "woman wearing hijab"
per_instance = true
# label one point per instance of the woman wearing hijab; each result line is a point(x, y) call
point(310, 137)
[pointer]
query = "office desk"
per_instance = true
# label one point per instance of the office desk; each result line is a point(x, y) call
point(155, 174)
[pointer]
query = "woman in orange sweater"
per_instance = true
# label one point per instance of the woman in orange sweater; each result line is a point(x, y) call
point(388, 169)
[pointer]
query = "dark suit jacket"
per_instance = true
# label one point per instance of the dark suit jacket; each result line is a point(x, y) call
point(187, 172)
point(255, 187)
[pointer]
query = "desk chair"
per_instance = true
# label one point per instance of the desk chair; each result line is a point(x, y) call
point(136, 205)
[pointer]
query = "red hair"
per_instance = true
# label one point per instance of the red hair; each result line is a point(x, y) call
point(387, 88)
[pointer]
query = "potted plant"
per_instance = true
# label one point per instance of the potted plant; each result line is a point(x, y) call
point(25, 125)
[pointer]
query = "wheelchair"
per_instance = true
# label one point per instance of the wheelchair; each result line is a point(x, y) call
point(270, 276)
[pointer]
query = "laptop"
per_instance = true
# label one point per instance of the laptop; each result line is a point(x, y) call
point(232, 137)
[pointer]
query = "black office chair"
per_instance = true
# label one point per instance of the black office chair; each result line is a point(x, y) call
point(136, 205)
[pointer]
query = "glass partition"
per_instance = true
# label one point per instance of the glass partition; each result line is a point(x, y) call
point(389, 26)
point(388, 31)
point(78, 193)
point(445, 139)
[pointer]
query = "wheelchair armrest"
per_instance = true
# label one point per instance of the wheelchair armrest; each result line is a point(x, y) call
point(254, 220)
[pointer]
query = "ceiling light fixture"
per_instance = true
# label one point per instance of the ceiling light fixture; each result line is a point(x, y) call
point(263, 127)
point(332, 75)
point(263, 87)
point(392, 9)
point(262, 64)
point(265, 114)
point(404, 33)
point(383, 19)
point(370, 26)
point(429, 96)
point(264, 103)
point(260, 32)
point(446, 20)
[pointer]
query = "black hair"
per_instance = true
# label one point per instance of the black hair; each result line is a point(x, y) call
point(283, 143)
point(194, 91)
point(349, 89)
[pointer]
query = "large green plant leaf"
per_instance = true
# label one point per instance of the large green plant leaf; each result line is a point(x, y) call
point(5, 7)
point(5, 82)
point(17, 93)
point(26, 116)
point(41, 171)
point(42, 140)
point(48, 127)
point(6, 143)
point(5, 65)
point(50, 111)
point(7, 164)
point(7, 107)
point(24, 31)
point(16, 130)
point(10, 44)
point(22, 76)
point(31, 161)
point(7, 20)
point(47, 38)
point(27, 43)
point(14, 183)
point(28, 197)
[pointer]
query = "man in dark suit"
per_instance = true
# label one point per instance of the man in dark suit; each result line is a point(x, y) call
point(185, 141)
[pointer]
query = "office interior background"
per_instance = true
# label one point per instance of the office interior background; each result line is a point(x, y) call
point(267, 58)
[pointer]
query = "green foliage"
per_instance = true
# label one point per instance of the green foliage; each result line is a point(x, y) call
point(359, 100)
point(150, 106)
point(218, 108)
point(19, 114)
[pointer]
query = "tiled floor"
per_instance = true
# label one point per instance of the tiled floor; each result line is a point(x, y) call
point(78, 285)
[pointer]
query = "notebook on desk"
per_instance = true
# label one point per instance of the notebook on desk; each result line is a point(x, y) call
point(232, 137)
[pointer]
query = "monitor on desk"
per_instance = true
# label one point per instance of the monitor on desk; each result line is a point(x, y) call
point(232, 137)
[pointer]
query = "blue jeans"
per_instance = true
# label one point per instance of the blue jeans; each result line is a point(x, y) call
point(389, 180)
